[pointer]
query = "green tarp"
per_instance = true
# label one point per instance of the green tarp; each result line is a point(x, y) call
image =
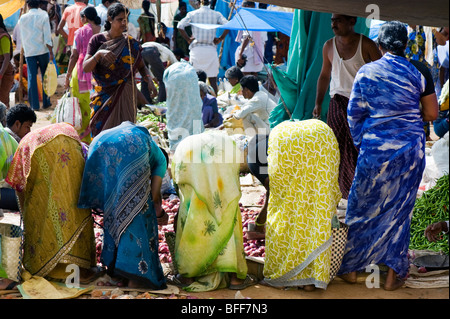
point(310, 30)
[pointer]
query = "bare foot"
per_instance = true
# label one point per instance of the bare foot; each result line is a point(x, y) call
point(351, 277)
point(309, 288)
point(393, 282)
point(136, 284)
point(7, 284)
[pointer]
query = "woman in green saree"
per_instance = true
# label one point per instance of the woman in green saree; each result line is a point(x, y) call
point(209, 248)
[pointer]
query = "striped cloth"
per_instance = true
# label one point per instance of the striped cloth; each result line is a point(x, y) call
point(337, 120)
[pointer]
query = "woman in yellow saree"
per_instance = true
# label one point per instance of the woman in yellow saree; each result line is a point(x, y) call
point(46, 173)
point(303, 163)
point(209, 239)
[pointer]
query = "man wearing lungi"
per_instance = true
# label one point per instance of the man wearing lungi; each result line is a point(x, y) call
point(343, 55)
point(203, 42)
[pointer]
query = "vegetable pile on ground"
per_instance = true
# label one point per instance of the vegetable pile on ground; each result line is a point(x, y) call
point(254, 248)
point(156, 125)
point(430, 208)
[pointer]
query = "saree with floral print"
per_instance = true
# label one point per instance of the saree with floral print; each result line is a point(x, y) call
point(117, 181)
point(46, 173)
point(115, 83)
point(209, 240)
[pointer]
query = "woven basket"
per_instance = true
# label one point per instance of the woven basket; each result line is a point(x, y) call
point(11, 251)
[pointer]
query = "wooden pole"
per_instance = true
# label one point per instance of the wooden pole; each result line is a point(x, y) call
point(22, 11)
point(158, 15)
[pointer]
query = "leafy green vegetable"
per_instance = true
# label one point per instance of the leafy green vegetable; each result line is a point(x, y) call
point(430, 208)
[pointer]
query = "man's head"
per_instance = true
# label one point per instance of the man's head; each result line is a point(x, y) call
point(20, 119)
point(248, 4)
point(43, 4)
point(182, 7)
point(33, 4)
point(146, 5)
point(204, 2)
point(250, 86)
point(107, 3)
point(342, 25)
point(202, 75)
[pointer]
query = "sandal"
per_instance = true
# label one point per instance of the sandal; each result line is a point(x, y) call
point(250, 280)
point(177, 280)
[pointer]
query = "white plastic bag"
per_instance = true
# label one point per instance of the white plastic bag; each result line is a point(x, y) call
point(68, 110)
point(440, 153)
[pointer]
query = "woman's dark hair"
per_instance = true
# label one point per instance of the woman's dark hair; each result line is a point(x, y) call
point(113, 11)
point(2, 24)
point(250, 82)
point(22, 113)
point(234, 73)
point(91, 14)
point(202, 75)
point(393, 37)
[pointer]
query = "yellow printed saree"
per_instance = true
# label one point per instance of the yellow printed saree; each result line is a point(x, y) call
point(46, 172)
point(303, 164)
point(209, 239)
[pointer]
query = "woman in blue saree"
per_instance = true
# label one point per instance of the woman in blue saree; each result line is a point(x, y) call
point(386, 124)
point(122, 178)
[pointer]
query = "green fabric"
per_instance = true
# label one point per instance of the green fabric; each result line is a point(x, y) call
point(209, 239)
point(8, 146)
point(2, 271)
point(298, 85)
point(5, 45)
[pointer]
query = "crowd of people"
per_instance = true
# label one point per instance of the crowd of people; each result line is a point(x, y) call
point(369, 151)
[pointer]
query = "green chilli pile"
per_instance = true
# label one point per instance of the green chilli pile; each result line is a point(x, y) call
point(430, 208)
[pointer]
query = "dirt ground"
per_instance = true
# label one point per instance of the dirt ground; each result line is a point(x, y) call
point(337, 289)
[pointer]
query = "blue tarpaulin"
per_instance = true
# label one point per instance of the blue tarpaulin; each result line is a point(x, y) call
point(256, 20)
point(261, 20)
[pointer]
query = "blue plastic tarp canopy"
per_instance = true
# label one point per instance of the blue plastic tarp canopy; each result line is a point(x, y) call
point(256, 20)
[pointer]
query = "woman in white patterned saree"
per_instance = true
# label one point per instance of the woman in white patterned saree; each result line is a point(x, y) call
point(303, 167)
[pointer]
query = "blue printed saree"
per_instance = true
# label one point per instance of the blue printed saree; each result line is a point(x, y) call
point(116, 180)
point(386, 125)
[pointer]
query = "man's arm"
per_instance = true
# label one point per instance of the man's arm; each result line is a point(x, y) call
point(324, 79)
point(182, 25)
point(370, 50)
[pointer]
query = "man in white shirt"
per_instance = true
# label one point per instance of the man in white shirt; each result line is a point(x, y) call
point(203, 42)
point(102, 10)
point(155, 55)
point(256, 111)
point(37, 43)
